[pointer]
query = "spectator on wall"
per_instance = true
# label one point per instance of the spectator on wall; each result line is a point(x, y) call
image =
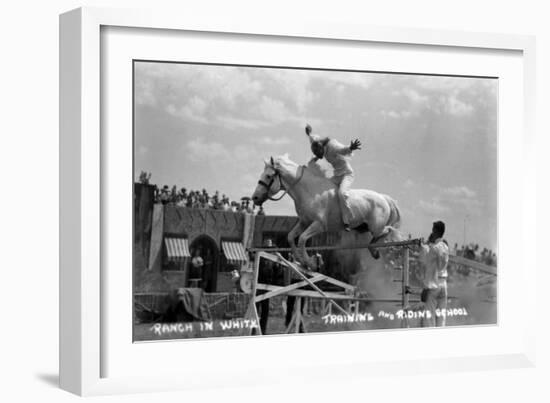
point(197, 264)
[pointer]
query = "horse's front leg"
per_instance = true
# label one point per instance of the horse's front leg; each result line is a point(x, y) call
point(388, 234)
point(293, 234)
point(315, 228)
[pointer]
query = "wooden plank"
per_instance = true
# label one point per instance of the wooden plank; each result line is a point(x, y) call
point(291, 323)
point(283, 290)
point(339, 283)
point(292, 266)
point(270, 256)
point(312, 294)
point(282, 261)
point(473, 264)
point(298, 309)
point(138, 294)
point(400, 301)
point(157, 231)
point(328, 279)
point(252, 314)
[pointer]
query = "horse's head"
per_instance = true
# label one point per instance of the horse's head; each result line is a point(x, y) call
point(269, 183)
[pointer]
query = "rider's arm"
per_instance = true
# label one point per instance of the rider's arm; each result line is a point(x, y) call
point(339, 148)
point(346, 150)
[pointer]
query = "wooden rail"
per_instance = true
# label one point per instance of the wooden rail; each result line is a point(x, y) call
point(408, 242)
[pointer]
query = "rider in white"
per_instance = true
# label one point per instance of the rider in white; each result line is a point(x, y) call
point(339, 156)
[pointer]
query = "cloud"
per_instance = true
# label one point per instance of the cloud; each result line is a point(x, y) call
point(297, 87)
point(197, 93)
point(433, 206)
point(409, 183)
point(446, 83)
point(237, 97)
point(233, 123)
point(456, 107)
point(462, 192)
point(408, 102)
point(215, 154)
point(360, 80)
point(380, 166)
point(456, 198)
point(273, 110)
point(277, 141)
point(226, 96)
point(293, 86)
point(195, 110)
point(393, 114)
point(415, 97)
point(200, 150)
point(144, 91)
point(457, 97)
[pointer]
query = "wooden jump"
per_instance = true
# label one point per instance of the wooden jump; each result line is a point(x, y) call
point(310, 279)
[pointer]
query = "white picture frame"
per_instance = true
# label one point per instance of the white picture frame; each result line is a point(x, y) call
point(82, 186)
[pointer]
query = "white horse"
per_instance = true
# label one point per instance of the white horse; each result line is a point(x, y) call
point(316, 202)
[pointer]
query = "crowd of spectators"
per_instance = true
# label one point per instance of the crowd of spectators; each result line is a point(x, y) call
point(473, 252)
point(200, 199)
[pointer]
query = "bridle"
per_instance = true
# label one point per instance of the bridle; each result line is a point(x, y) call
point(281, 186)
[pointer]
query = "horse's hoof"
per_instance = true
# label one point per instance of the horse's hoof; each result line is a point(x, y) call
point(312, 265)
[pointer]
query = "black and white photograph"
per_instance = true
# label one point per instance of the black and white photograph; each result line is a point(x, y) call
point(271, 200)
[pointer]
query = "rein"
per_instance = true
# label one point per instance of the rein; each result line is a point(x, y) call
point(278, 175)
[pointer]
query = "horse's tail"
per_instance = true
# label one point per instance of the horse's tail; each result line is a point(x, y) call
point(395, 214)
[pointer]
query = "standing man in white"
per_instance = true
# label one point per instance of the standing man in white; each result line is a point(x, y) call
point(434, 257)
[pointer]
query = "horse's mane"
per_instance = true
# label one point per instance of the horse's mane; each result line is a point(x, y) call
point(317, 170)
point(314, 168)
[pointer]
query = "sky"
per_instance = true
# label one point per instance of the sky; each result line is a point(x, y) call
point(428, 141)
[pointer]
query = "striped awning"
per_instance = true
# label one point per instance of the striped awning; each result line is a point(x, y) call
point(177, 249)
point(234, 253)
